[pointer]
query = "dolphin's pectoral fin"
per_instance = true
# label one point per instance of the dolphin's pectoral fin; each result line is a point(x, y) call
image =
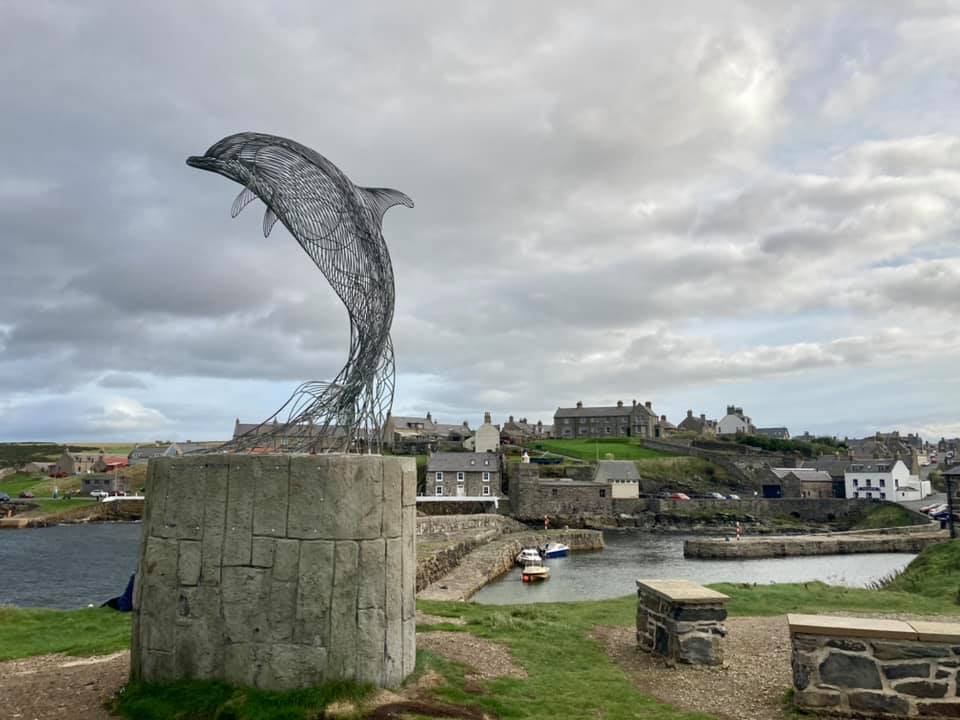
point(245, 197)
point(382, 199)
point(269, 220)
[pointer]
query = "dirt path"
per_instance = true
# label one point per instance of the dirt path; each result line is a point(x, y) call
point(57, 686)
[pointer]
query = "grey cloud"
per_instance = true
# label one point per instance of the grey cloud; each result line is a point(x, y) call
point(117, 380)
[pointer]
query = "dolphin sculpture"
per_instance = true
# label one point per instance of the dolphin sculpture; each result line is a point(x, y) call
point(339, 225)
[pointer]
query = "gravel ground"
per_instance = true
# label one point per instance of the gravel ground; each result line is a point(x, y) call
point(488, 659)
point(749, 685)
point(57, 686)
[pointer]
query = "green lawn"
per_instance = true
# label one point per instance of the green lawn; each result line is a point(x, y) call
point(619, 448)
point(885, 516)
point(13, 485)
point(570, 675)
point(91, 631)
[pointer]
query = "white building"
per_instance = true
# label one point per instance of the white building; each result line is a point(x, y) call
point(735, 422)
point(884, 480)
point(622, 476)
point(487, 437)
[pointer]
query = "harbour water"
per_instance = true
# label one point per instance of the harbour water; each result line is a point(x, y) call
point(613, 571)
point(72, 566)
point(67, 566)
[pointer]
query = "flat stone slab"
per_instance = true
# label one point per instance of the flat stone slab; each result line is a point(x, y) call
point(682, 591)
point(851, 627)
point(937, 631)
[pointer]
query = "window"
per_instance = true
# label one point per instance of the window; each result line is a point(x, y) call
point(553, 492)
point(896, 483)
point(868, 482)
point(856, 483)
point(459, 477)
point(486, 490)
point(439, 490)
point(883, 496)
point(603, 492)
point(473, 462)
point(883, 483)
point(486, 462)
point(439, 476)
point(486, 476)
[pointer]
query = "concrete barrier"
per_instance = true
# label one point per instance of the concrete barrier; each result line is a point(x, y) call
point(277, 571)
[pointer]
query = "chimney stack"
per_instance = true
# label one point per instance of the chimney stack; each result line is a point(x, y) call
point(511, 419)
point(634, 403)
point(663, 418)
point(619, 403)
point(648, 404)
point(429, 419)
point(689, 413)
point(579, 404)
point(703, 416)
point(486, 418)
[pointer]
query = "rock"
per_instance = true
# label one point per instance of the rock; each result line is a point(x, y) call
point(851, 671)
point(899, 651)
point(922, 688)
point(700, 650)
point(848, 645)
point(913, 670)
point(949, 710)
point(816, 698)
point(688, 612)
point(876, 702)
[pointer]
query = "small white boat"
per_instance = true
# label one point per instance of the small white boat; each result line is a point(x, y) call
point(533, 573)
point(528, 556)
point(555, 550)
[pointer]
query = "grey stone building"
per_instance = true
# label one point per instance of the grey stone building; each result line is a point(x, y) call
point(463, 474)
point(532, 497)
point(619, 420)
point(699, 425)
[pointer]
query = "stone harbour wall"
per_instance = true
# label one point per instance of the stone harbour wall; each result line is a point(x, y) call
point(825, 544)
point(437, 524)
point(885, 668)
point(277, 571)
point(685, 626)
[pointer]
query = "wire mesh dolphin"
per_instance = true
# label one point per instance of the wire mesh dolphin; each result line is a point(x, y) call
point(339, 225)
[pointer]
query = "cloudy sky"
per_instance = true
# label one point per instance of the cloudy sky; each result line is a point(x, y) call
point(693, 203)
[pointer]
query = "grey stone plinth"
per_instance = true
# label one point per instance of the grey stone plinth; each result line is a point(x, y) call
point(681, 620)
point(277, 571)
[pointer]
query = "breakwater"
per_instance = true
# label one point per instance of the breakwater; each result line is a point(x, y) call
point(121, 510)
point(494, 558)
point(882, 541)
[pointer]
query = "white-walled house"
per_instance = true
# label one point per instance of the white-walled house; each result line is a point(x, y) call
point(622, 475)
point(884, 480)
point(735, 422)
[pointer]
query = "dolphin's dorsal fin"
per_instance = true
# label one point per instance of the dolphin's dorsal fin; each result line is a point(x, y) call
point(382, 199)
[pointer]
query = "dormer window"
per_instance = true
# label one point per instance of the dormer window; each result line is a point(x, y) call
point(473, 462)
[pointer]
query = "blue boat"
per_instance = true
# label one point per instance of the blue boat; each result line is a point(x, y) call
point(555, 550)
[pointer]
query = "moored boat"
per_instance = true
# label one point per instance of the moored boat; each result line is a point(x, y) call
point(529, 555)
point(555, 550)
point(532, 573)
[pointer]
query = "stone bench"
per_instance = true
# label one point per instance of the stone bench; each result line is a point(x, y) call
point(681, 620)
point(875, 668)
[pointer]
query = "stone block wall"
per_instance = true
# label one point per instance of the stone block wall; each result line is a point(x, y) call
point(277, 571)
point(875, 668)
point(681, 620)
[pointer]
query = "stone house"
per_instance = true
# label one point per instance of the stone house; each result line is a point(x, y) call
point(109, 463)
point(532, 497)
point(77, 463)
point(107, 482)
point(699, 425)
point(735, 422)
point(607, 421)
point(884, 479)
point(621, 475)
point(517, 432)
point(142, 454)
point(403, 433)
point(487, 437)
point(463, 474)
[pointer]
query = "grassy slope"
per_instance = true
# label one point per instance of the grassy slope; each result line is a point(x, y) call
point(888, 515)
point(91, 631)
point(621, 449)
point(934, 574)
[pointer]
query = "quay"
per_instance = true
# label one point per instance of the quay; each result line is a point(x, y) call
point(893, 540)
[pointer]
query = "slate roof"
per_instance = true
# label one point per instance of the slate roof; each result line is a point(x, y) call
point(148, 451)
point(829, 463)
point(872, 465)
point(463, 462)
point(608, 470)
point(803, 474)
point(773, 432)
point(614, 411)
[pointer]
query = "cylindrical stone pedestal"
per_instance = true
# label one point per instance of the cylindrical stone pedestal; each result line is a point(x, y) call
point(277, 571)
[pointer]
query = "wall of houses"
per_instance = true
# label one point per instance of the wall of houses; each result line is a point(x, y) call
point(532, 497)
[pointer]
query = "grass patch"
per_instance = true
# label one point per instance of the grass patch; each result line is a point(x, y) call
point(686, 474)
point(620, 448)
point(884, 516)
point(209, 700)
point(933, 574)
point(13, 485)
point(91, 631)
point(48, 506)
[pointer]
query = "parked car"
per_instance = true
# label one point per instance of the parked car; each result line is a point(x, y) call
point(942, 507)
point(679, 496)
point(731, 496)
point(26, 494)
point(58, 474)
point(118, 493)
point(4, 497)
point(716, 496)
point(99, 493)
